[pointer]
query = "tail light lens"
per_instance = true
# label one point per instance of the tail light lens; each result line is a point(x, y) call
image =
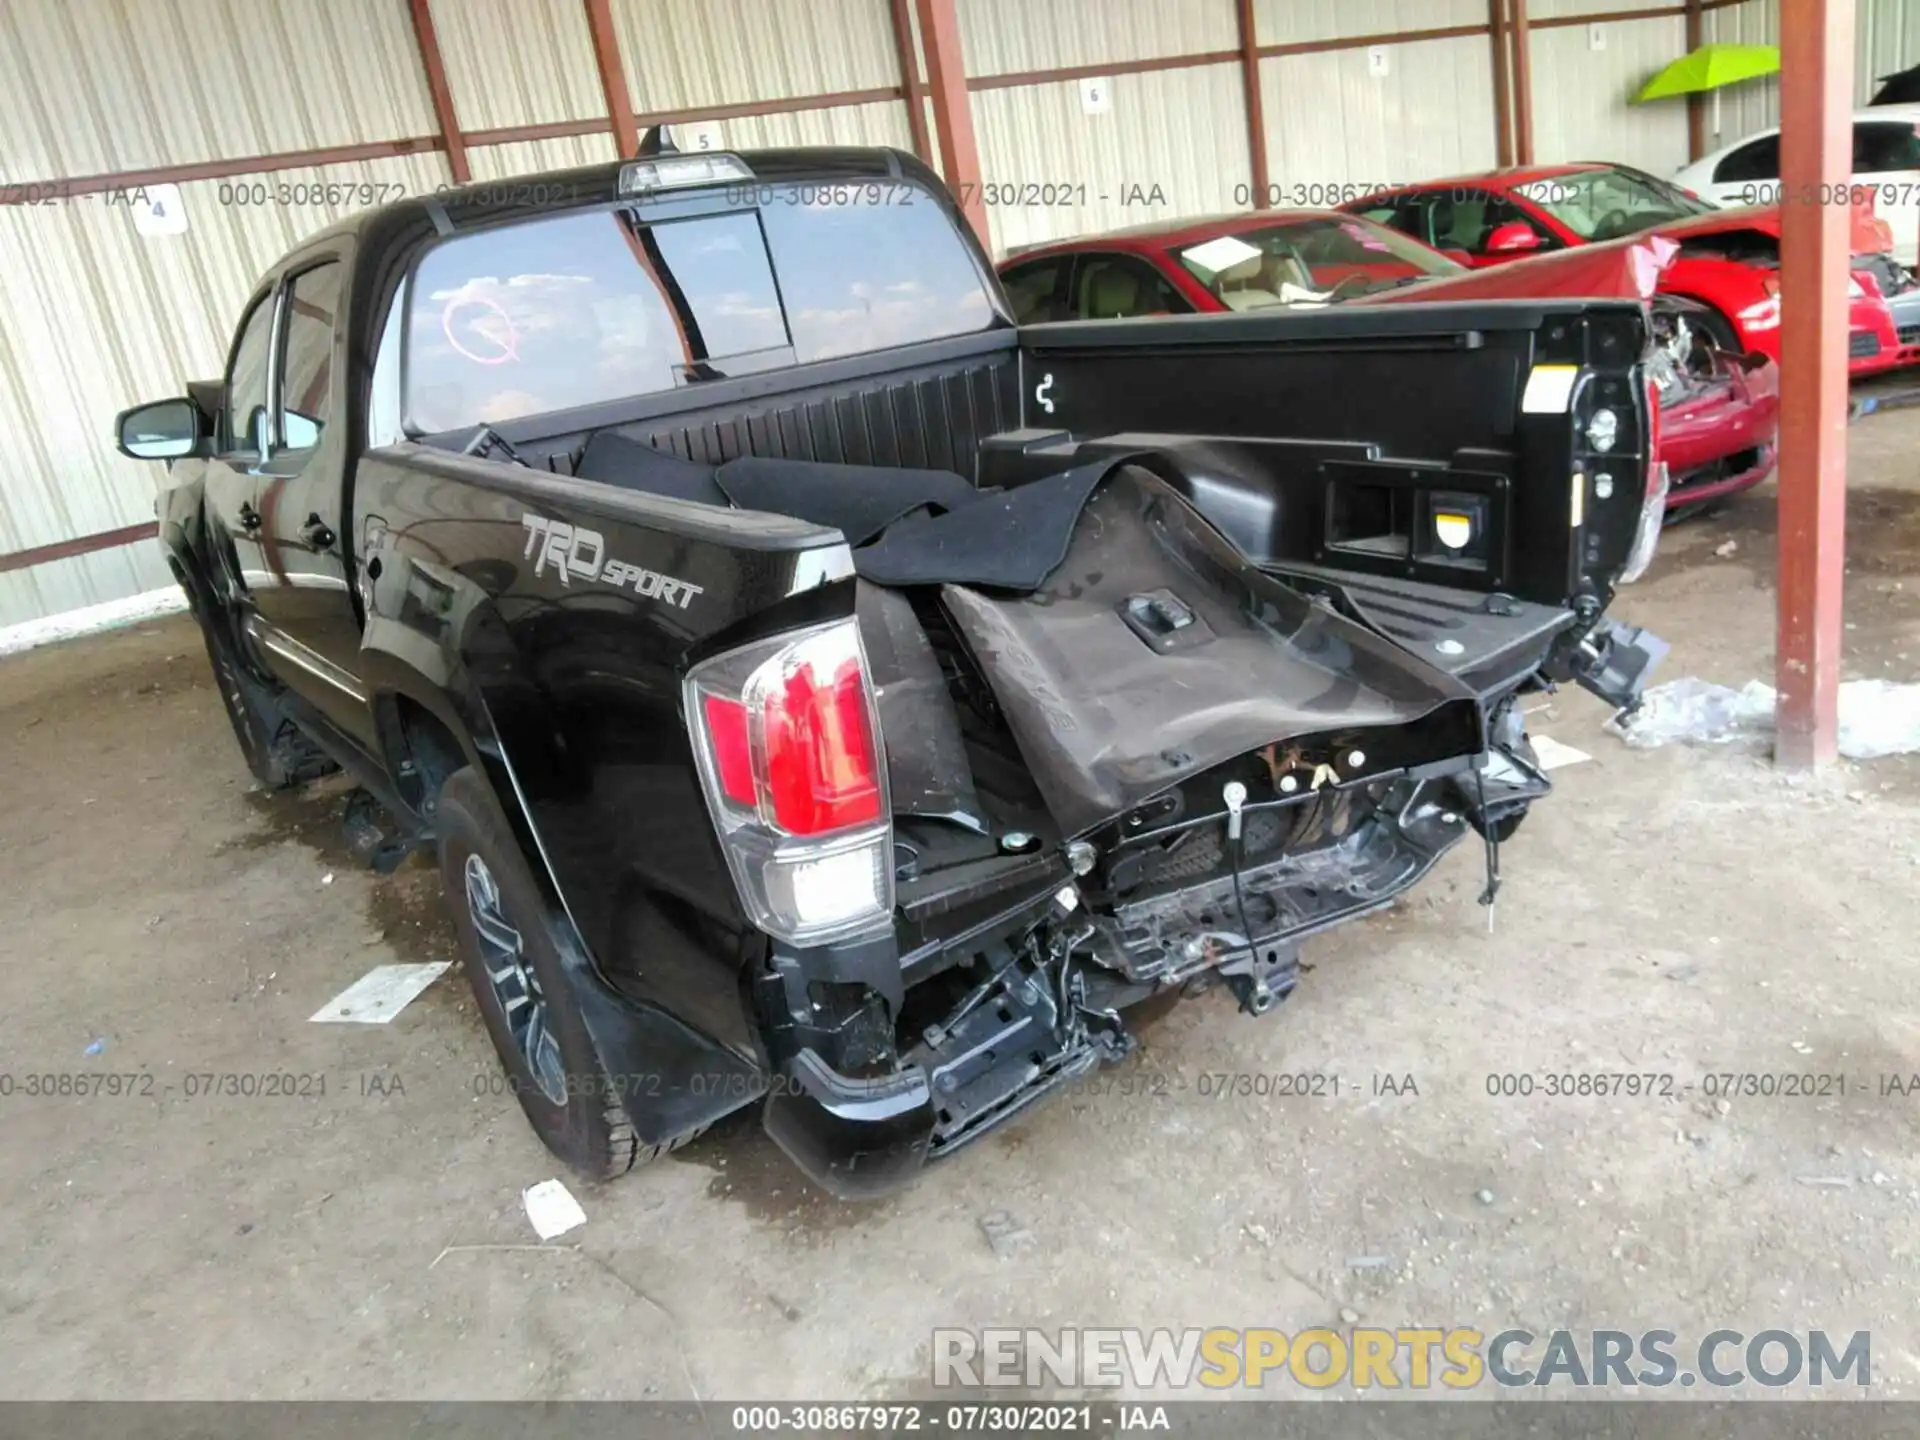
point(787, 738)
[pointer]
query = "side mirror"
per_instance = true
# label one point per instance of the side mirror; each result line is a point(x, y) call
point(1516, 237)
point(159, 430)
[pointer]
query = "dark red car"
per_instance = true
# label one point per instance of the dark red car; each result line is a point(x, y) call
point(1719, 407)
point(1729, 260)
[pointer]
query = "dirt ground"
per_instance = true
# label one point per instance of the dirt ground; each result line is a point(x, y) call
point(1681, 911)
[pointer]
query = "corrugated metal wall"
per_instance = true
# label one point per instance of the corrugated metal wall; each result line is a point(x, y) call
point(1585, 77)
point(1332, 122)
point(94, 317)
point(1887, 39)
point(1173, 142)
point(1754, 105)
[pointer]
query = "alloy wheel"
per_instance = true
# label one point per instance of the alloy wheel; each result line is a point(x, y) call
point(503, 955)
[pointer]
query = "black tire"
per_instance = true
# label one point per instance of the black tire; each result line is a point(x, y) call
point(276, 751)
point(529, 1009)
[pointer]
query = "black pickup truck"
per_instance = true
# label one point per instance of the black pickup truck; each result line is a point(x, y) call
point(824, 693)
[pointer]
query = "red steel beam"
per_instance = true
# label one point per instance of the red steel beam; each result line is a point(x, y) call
point(1816, 164)
point(84, 545)
point(1502, 83)
point(1696, 103)
point(1651, 12)
point(1014, 79)
point(952, 112)
point(440, 92)
point(1256, 107)
point(1522, 85)
point(27, 191)
point(613, 76)
point(1364, 42)
point(18, 192)
point(911, 87)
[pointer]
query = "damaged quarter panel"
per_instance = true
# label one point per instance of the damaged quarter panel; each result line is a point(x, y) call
point(562, 659)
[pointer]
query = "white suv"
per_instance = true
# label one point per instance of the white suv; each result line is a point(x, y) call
point(1886, 155)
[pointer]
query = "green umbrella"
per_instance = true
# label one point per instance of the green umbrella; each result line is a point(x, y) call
point(1710, 67)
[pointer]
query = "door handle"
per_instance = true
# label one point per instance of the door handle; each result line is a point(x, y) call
point(249, 517)
point(315, 534)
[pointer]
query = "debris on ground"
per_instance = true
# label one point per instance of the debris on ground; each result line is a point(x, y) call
point(1877, 717)
point(1726, 550)
point(552, 1209)
point(379, 995)
point(1006, 1234)
point(1556, 754)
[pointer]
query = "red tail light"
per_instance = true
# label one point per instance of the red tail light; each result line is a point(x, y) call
point(787, 739)
point(727, 734)
point(821, 772)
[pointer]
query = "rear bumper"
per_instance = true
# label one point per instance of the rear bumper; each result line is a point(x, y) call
point(856, 1139)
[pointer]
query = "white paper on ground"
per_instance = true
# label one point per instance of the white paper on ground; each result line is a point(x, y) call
point(552, 1209)
point(1554, 754)
point(379, 995)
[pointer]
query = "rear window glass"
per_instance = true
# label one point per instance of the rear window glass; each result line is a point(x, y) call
point(869, 267)
point(583, 308)
point(596, 306)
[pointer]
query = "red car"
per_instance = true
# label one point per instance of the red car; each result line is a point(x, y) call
point(1729, 260)
point(1719, 408)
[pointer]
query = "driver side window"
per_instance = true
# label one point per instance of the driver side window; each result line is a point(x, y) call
point(244, 417)
point(306, 360)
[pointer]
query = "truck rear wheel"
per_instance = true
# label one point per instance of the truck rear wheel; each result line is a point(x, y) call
point(514, 967)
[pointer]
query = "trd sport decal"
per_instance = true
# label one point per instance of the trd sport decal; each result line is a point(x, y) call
point(571, 551)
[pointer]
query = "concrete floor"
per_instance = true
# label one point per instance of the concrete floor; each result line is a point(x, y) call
point(1680, 910)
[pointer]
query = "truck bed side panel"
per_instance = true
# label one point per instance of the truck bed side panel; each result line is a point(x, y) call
point(555, 617)
point(926, 406)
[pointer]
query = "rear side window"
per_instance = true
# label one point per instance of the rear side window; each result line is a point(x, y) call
point(1757, 161)
point(247, 379)
point(596, 306)
point(1881, 148)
